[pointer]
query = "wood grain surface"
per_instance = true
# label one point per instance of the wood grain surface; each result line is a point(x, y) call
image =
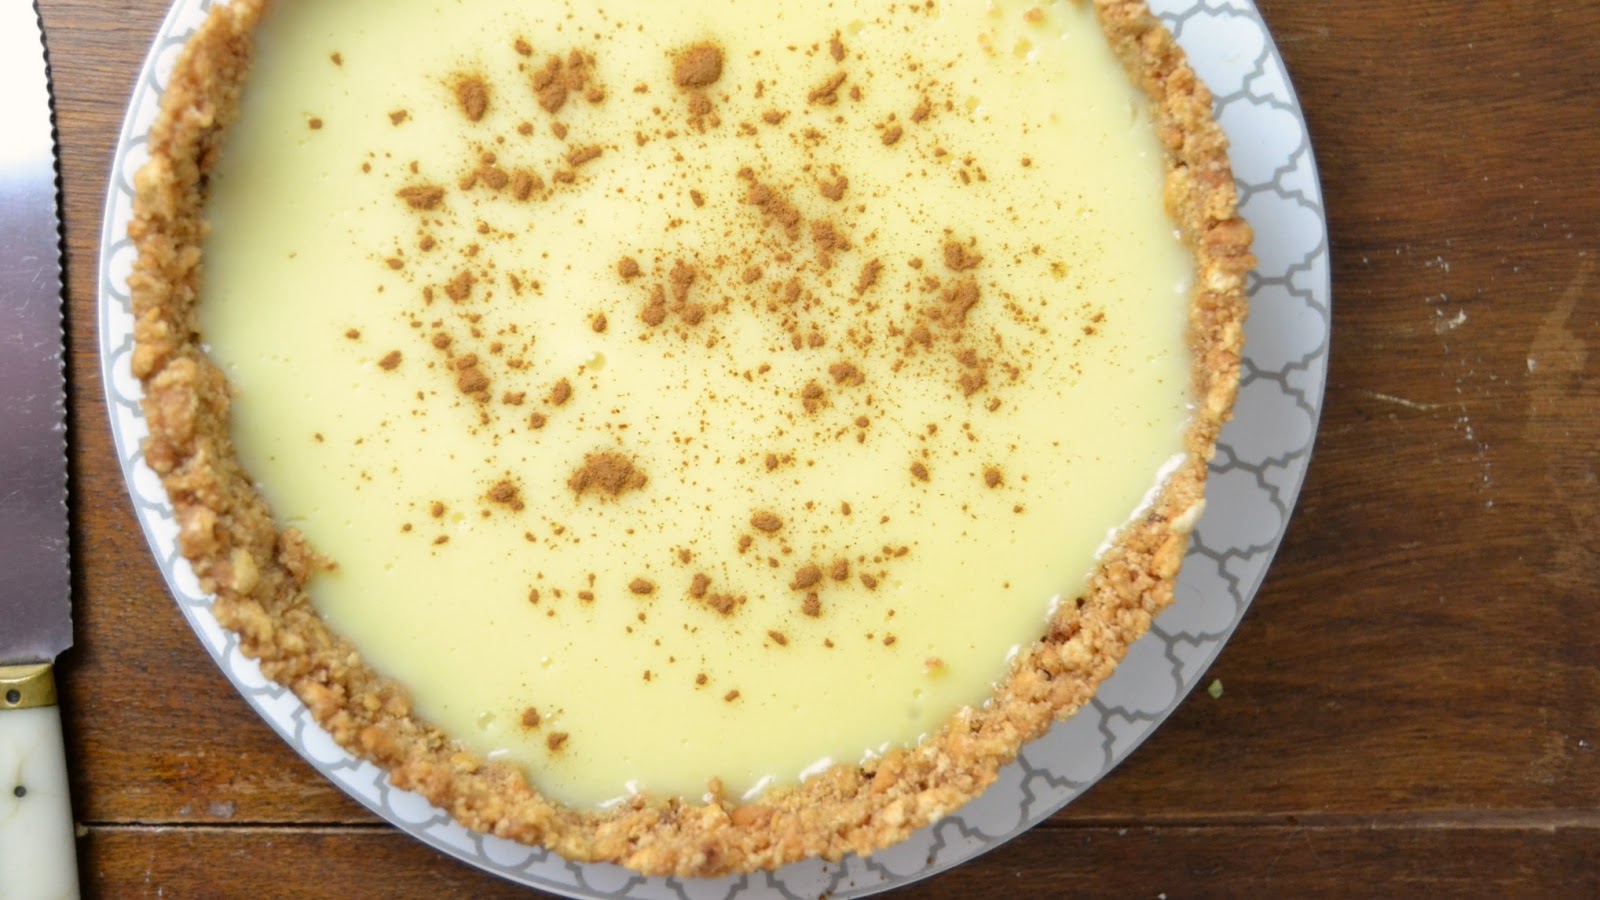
point(1411, 703)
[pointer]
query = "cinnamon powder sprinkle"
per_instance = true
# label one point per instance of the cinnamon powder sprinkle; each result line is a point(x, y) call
point(812, 606)
point(390, 362)
point(530, 718)
point(699, 586)
point(556, 741)
point(991, 477)
point(730, 696)
point(766, 521)
point(628, 268)
point(642, 587)
point(778, 638)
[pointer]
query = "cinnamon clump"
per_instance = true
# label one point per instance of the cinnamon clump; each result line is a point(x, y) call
point(425, 197)
point(958, 258)
point(805, 577)
point(609, 473)
point(846, 374)
point(472, 94)
point(869, 276)
point(697, 65)
point(470, 379)
point(766, 521)
point(724, 604)
point(773, 205)
point(506, 494)
point(560, 77)
point(827, 93)
point(390, 361)
point(560, 393)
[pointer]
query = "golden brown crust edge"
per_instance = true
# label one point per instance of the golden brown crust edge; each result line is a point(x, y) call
point(258, 573)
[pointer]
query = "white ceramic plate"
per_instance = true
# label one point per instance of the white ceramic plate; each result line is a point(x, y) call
point(1260, 463)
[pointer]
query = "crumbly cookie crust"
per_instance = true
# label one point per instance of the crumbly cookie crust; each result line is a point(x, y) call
point(259, 572)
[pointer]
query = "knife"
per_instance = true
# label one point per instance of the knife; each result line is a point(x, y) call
point(37, 852)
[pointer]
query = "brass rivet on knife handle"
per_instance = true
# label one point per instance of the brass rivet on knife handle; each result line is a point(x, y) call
point(27, 687)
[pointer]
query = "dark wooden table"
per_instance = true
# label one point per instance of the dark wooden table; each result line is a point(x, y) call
point(1413, 703)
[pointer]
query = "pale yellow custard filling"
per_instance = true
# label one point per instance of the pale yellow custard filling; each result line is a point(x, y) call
point(665, 424)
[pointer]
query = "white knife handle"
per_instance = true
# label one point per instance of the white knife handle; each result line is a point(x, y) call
point(38, 853)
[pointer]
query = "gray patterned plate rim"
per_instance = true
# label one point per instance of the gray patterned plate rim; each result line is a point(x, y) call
point(1256, 477)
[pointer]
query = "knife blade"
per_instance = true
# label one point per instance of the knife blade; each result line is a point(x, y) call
point(37, 853)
